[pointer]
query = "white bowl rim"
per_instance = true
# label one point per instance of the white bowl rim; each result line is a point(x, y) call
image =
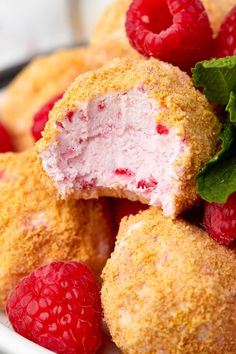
point(13, 343)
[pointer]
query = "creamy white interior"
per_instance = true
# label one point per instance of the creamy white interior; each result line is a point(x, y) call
point(117, 131)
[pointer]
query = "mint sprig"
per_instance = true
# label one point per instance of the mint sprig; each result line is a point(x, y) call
point(217, 77)
point(217, 180)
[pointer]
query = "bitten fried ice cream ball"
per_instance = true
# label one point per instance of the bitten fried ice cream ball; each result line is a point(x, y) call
point(136, 129)
point(36, 228)
point(111, 24)
point(45, 78)
point(169, 288)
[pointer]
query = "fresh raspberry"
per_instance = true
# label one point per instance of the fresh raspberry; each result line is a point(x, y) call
point(226, 39)
point(220, 220)
point(124, 207)
point(5, 141)
point(58, 307)
point(88, 184)
point(41, 117)
point(174, 31)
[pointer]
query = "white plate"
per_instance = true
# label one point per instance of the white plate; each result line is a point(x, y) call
point(12, 343)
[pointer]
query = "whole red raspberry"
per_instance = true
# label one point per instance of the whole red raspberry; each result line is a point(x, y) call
point(5, 141)
point(58, 307)
point(220, 220)
point(226, 39)
point(174, 31)
point(41, 117)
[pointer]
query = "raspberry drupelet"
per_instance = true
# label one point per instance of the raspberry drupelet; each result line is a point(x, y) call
point(143, 145)
point(36, 227)
point(58, 307)
point(168, 285)
point(220, 220)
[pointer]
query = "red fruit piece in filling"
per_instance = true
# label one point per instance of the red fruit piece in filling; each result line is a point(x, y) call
point(58, 307)
point(5, 141)
point(162, 129)
point(226, 39)
point(83, 116)
point(101, 106)
point(41, 117)
point(59, 125)
point(69, 116)
point(88, 184)
point(147, 184)
point(177, 32)
point(220, 220)
point(124, 172)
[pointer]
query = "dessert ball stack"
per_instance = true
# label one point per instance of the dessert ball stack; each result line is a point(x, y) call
point(123, 120)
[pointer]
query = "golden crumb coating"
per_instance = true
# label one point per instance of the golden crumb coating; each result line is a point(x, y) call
point(36, 228)
point(182, 108)
point(111, 23)
point(169, 288)
point(46, 77)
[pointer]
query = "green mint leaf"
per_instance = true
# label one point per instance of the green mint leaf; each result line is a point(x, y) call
point(217, 180)
point(217, 77)
point(231, 108)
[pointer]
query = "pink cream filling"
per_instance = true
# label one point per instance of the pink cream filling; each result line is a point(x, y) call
point(113, 142)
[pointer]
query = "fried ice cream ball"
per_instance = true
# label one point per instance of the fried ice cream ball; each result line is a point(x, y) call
point(169, 288)
point(45, 78)
point(134, 129)
point(111, 24)
point(36, 228)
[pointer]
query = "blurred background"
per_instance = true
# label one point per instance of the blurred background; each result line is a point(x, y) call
point(31, 27)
